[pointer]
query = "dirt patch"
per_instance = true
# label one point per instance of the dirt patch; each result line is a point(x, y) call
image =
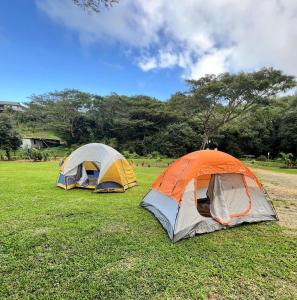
point(282, 188)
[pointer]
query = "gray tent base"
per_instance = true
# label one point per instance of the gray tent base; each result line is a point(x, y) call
point(207, 225)
point(183, 220)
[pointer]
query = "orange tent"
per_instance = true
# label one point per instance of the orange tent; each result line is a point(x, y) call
point(205, 191)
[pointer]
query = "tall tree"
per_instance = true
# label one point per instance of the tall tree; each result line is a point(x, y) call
point(220, 99)
point(64, 113)
point(287, 131)
point(10, 140)
point(175, 140)
point(130, 120)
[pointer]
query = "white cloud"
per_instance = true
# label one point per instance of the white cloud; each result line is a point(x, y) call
point(197, 36)
point(147, 64)
point(164, 59)
point(212, 63)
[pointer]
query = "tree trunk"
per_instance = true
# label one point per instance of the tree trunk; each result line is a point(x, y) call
point(204, 141)
point(7, 154)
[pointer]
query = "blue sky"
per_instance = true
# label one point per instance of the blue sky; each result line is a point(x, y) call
point(139, 46)
point(37, 55)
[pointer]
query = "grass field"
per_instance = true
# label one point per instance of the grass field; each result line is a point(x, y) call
point(80, 245)
point(275, 166)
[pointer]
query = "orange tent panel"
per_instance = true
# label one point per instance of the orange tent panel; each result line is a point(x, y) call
point(174, 179)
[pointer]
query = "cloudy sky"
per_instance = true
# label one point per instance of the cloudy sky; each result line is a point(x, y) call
point(139, 46)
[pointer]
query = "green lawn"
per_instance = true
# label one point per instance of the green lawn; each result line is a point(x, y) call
point(275, 166)
point(80, 245)
point(28, 132)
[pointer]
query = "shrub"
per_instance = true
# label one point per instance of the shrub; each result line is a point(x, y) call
point(262, 158)
point(132, 155)
point(156, 154)
point(287, 158)
point(45, 156)
point(71, 149)
point(35, 154)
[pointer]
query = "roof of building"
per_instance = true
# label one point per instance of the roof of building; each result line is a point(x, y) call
point(42, 138)
point(10, 103)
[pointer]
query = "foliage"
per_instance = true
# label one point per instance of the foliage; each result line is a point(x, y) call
point(36, 154)
point(64, 113)
point(176, 140)
point(220, 99)
point(287, 122)
point(94, 5)
point(130, 155)
point(237, 113)
point(262, 158)
point(9, 139)
point(286, 158)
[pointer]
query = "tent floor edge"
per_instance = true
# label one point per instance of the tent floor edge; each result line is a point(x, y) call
point(66, 187)
point(130, 185)
point(62, 186)
point(161, 218)
point(109, 190)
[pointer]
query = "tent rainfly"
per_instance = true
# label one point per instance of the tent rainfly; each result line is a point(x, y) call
point(205, 191)
point(96, 166)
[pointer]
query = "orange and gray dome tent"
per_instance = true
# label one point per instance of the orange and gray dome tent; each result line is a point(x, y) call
point(205, 191)
point(96, 166)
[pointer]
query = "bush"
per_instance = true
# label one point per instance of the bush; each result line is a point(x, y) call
point(45, 156)
point(35, 154)
point(156, 154)
point(287, 158)
point(129, 155)
point(262, 158)
point(71, 149)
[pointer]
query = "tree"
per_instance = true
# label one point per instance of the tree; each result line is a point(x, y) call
point(9, 138)
point(255, 133)
point(218, 100)
point(240, 114)
point(286, 158)
point(287, 130)
point(175, 140)
point(94, 5)
point(64, 112)
point(129, 120)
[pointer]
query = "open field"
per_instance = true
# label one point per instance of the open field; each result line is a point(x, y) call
point(275, 166)
point(80, 245)
point(282, 188)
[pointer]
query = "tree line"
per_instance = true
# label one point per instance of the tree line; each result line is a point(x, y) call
point(242, 114)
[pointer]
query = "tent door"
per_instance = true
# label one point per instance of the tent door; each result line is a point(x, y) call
point(89, 174)
point(203, 207)
point(229, 197)
point(92, 177)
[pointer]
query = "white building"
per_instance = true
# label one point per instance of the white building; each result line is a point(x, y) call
point(16, 106)
point(29, 142)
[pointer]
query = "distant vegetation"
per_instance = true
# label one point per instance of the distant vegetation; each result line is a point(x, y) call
point(241, 114)
point(94, 5)
point(10, 140)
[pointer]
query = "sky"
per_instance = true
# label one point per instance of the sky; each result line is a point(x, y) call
point(139, 46)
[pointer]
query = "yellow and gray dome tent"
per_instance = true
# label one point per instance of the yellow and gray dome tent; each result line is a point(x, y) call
point(96, 166)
